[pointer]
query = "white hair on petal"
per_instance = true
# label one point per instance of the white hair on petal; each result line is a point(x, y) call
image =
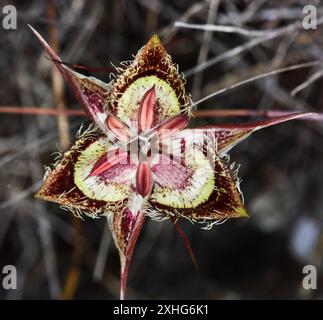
point(210, 224)
point(86, 133)
point(76, 212)
point(156, 215)
point(48, 170)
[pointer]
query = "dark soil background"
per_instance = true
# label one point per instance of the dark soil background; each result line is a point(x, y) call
point(58, 256)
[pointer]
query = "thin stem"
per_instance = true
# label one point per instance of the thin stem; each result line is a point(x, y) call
point(263, 75)
point(205, 48)
point(219, 113)
point(186, 241)
point(247, 46)
point(45, 111)
point(317, 75)
point(226, 29)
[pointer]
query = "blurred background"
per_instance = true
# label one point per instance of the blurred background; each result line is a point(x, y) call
point(60, 257)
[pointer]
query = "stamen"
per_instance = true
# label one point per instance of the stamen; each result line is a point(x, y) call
point(107, 161)
point(143, 179)
point(171, 126)
point(120, 130)
point(146, 110)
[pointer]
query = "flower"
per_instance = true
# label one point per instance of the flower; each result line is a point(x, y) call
point(140, 159)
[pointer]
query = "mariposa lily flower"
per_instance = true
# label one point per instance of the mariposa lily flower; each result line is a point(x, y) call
point(140, 159)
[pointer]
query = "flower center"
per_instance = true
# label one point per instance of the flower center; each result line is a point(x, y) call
point(144, 145)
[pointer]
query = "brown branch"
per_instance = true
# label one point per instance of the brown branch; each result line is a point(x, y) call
point(220, 113)
point(40, 111)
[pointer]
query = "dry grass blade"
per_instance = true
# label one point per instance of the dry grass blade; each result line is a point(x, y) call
point(225, 29)
point(261, 76)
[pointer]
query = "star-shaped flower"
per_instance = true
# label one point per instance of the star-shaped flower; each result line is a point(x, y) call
point(140, 159)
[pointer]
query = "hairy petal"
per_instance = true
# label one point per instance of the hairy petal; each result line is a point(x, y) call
point(71, 185)
point(91, 92)
point(152, 67)
point(199, 187)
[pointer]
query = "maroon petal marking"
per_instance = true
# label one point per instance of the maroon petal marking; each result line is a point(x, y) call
point(171, 126)
point(147, 109)
point(120, 130)
point(127, 223)
point(170, 174)
point(109, 160)
point(94, 100)
point(143, 179)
